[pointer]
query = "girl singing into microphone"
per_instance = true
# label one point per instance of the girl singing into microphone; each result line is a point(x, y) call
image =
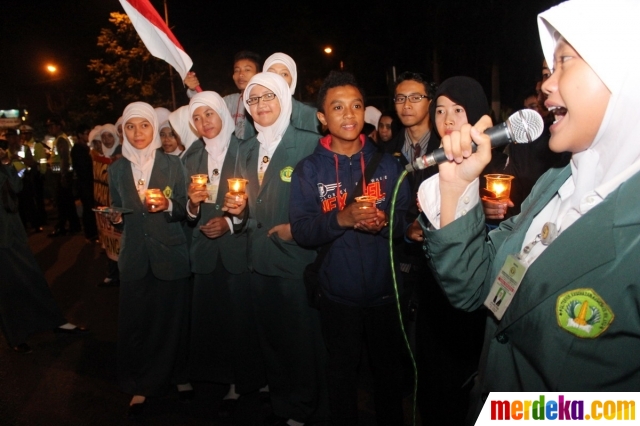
point(569, 318)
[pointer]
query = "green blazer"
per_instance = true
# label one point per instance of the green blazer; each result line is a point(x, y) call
point(304, 116)
point(151, 240)
point(232, 248)
point(528, 350)
point(269, 204)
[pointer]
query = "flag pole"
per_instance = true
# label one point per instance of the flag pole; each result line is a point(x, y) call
point(173, 89)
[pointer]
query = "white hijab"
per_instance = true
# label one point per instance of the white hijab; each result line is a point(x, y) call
point(95, 134)
point(287, 61)
point(216, 103)
point(180, 123)
point(142, 159)
point(110, 128)
point(272, 134)
point(606, 35)
point(162, 114)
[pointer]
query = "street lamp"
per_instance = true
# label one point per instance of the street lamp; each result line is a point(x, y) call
point(329, 50)
point(54, 103)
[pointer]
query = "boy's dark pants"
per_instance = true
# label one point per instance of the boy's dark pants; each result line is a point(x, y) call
point(345, 329)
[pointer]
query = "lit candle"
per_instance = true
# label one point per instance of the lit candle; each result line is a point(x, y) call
point(200, 180)
point(500, 185)
point(237, 186)
point(366, 199)
point(153, 199)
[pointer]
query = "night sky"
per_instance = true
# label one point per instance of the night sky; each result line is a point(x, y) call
point(465, 37)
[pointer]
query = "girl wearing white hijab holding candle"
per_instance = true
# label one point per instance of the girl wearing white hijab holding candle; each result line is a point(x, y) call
point(289, 330)
point(572, 322)
point(302, 116)
point(224, 344)
point(153, 261)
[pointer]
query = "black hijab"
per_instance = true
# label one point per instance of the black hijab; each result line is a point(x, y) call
point(466, 92)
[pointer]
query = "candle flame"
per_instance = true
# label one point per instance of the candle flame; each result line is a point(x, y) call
point(498, 188)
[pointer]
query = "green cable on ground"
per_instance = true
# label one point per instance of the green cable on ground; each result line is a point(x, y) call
point(395, 287)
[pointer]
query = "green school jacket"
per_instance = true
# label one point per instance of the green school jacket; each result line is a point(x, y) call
point(529, 350)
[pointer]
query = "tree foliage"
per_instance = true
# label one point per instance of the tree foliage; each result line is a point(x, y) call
point(127, 72)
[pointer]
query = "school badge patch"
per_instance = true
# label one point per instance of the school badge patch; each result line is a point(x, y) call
point(582, 312)
point(285, 174)
point(167, 192)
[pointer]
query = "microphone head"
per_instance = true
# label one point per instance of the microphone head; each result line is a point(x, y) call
point(526, 125)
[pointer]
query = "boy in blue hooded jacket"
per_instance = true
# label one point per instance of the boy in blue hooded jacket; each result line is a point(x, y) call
point(358, 303)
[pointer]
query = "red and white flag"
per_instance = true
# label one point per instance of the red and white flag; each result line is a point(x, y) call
point(156, 36)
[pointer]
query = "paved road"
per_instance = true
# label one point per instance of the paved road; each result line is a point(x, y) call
point(72, 381)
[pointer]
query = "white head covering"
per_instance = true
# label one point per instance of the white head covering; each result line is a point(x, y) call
point(110, 128)
point(287, 61)
point(372, 115)
point(272, 134)
point(163, 115)
point(141, 158)
point(606, 35)
point(180, 123)
point(216, 103)
point(94, 134)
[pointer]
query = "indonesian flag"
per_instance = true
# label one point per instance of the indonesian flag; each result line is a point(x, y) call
point(156, 36)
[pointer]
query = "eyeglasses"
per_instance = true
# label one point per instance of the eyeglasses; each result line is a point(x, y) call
point(400, 99)
point(267, 97)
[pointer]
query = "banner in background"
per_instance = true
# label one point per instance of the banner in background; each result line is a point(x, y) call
point(109, 236)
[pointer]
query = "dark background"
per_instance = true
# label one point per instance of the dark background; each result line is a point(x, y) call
point(461, 37)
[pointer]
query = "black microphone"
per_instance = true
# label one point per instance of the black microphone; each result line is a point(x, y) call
point(523, 126)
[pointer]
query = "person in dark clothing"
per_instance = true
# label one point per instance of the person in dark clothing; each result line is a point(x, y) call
point(358, 303)
point(83, 168)
point(63, 175)
point(36, 154)
point(413, 97)
point(26, 303)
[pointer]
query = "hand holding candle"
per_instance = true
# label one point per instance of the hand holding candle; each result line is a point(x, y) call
point(235, 200)
point(155, 200)
point(499, 185)
point(355, 214)
point(496, 199)
point(197, 191)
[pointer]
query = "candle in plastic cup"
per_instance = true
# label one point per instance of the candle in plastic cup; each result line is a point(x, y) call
point(500, 185)
point(200, 180)
point(237, 186)
point(366, 199)
point(153, 199)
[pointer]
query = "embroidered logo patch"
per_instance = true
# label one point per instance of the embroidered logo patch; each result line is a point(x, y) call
point(583, 312)
point(167, 192)
point(285, 174)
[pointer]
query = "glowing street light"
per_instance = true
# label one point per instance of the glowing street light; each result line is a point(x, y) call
point(328, 50)
point(52, 68)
